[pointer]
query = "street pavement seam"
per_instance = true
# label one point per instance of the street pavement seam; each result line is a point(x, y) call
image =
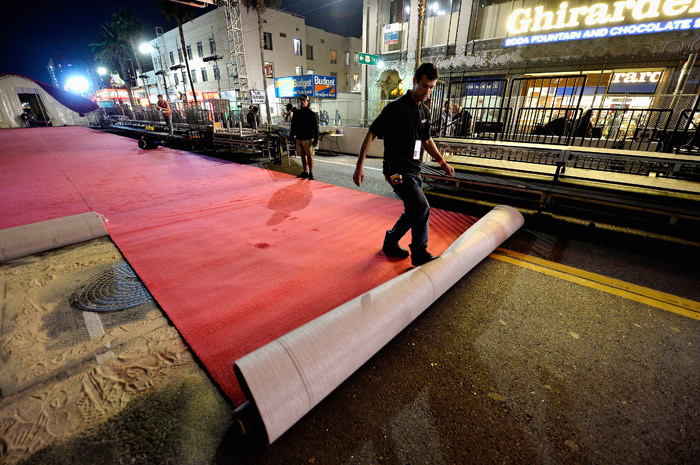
point(644, 295)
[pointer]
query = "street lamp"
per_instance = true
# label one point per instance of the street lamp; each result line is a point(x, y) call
point(182, 73)
point(147, 48)
point(215, 59)
point(148, 89)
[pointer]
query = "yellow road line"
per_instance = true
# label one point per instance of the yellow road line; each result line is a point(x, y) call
point(658, 299)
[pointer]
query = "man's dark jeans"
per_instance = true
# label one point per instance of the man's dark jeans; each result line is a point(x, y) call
point(416, 214)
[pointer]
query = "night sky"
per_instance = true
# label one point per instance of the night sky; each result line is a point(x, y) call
point(32, 31)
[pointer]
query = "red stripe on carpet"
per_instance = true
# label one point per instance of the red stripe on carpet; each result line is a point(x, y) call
point(236, 256)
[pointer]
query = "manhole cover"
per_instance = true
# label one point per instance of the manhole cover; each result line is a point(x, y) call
point(115, 289)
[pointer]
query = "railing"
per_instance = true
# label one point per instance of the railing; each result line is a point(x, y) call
point(627, 129)
point(669, 125)
point(685, 137)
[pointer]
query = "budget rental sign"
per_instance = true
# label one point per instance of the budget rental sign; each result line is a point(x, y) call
point(312, 85)
point(325, 86)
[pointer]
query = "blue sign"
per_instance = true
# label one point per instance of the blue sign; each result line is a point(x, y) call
point(312, 85)
point(294, 86)
point(325, 86)
point(613, 31)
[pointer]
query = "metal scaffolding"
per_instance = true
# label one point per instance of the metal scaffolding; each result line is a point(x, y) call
point(236, 48)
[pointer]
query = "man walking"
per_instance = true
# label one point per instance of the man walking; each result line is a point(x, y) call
point(164, 106)
point(305, 128)
point(405, 126)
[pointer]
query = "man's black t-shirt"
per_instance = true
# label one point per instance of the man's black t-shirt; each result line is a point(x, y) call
point(401, 124)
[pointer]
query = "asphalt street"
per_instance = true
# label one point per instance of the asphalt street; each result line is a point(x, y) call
point(571, 344)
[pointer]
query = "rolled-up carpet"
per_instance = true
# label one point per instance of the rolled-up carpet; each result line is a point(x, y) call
point(39, 237)
point(287, 377)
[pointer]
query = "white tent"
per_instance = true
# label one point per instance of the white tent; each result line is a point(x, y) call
point(25, 99)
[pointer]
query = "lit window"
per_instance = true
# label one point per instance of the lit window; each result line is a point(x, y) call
point(334, 57)
point(299, 70)
point(347, 58)
point(297, 47)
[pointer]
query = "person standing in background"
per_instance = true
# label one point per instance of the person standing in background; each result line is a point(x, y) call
point(305, 129)
point(164, 106)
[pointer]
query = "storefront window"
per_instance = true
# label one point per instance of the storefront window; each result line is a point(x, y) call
point(440, 25)
point(396, 11)
point(491, 18)
point(394, 17)
point(438, 7)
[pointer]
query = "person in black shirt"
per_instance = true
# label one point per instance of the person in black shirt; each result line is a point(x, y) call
point(405, 126)
point(305, 128)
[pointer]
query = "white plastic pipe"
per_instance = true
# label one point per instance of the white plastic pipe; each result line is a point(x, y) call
point(289, 376)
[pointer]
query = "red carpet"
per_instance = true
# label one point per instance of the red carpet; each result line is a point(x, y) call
point(236, 256)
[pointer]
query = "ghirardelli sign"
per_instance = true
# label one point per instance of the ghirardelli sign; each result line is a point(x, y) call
point(529, 20)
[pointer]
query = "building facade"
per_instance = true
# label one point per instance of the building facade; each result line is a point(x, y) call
point(290, 48)
point(631, 54)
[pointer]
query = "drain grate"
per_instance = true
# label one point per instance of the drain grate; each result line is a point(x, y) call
point(115, 289)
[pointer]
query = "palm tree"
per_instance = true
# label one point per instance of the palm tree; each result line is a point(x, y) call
point(180, 13)
point(421, 19)
point(130, 29)
point(112, 48)
point(259, 6)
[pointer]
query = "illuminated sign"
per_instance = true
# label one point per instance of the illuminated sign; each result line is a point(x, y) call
point(325, 86)
point(639, 82)
point(636, 77)
point(107, 94)
point(293, 86)
point(312, 85)
point(602, 20)
point(631, 29)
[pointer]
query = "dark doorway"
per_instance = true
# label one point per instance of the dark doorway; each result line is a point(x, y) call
point(33, 110)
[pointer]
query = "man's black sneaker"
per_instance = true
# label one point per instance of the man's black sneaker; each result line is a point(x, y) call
point(303, 175)
point(394, 251)
point(421, 257)
point(311, 176)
